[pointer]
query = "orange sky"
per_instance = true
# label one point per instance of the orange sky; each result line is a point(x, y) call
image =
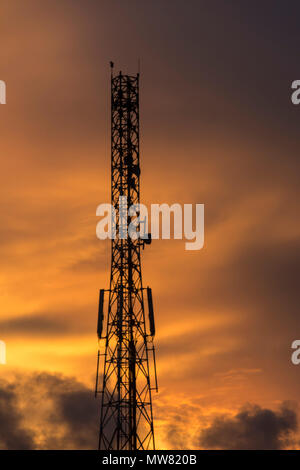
point(217, 128)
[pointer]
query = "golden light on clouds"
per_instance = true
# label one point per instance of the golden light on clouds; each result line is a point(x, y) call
point(213, 132)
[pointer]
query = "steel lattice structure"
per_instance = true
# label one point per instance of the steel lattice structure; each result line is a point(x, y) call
point(126, 420)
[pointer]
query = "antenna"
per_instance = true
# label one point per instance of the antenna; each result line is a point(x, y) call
point(112, 68)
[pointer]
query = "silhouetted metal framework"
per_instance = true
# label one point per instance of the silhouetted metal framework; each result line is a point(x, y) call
point(126, 420)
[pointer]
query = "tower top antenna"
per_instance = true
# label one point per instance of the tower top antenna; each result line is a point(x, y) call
point(111, 67)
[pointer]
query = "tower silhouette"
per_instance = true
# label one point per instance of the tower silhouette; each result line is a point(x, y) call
point(128, 360)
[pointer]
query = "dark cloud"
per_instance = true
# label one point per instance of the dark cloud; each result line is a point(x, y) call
point(253, 428)
point(50, 411)
point(74, 412)
point(177, 436)
point(33, 325)
point(51, 323)
point(78, 409)
point(260, 282)
point(268, 279)
point(13, 434)
point(96, 262)
point(47, 411)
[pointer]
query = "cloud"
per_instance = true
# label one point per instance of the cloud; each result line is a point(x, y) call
point(268, 276)
point(253, 428)
point(52, 411)
point(13, 435)
point(56, 322)
point(74, 412)
point(33, 325)
point(47, 411)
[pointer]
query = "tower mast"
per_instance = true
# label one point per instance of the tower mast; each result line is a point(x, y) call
point(126, 421)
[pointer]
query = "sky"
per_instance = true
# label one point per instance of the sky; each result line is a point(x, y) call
point(217, 128)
